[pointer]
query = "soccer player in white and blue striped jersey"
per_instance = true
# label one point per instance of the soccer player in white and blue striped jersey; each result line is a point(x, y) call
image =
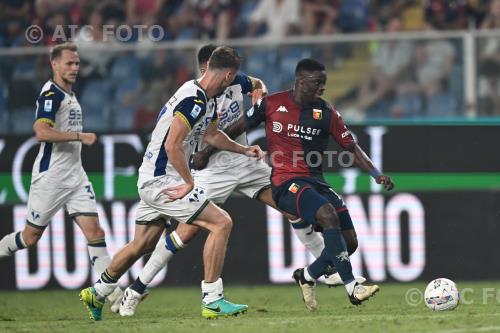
point(58, 178)
point(167, 189)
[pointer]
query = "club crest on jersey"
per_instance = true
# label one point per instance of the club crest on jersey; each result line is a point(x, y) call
point(317, 114)
point(294, 188)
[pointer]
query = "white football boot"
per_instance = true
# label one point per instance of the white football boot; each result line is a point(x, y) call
point(115, 299)
point(130, 301)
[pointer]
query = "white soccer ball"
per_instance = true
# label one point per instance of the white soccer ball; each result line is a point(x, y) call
point(441, 294)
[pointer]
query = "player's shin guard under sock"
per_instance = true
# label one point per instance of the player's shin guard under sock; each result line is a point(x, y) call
point(11, 243)
point(163, 253)
point(105, 285)
point(210, 292)
point(312, 240)
point(336, 249)
point(99, 256)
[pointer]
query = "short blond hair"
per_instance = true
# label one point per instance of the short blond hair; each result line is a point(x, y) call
point(56, 51)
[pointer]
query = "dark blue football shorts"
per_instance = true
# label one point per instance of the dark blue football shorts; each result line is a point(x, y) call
point(303, 196)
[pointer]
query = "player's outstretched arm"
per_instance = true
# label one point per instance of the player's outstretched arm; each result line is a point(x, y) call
point(218, 139)
point(363, 161)
point(44, 132)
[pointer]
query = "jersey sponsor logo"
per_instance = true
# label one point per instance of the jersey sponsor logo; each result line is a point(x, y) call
point(277, 127)
point(346, 133)
point(47, 106)
point(75, 117)
point(304, 129)
point(294, 188)
point(302, 132)
point(281, 108)
point(199, 101)
point(195, 111)
point(50, 93)
point(317, 114)
point(229, 115)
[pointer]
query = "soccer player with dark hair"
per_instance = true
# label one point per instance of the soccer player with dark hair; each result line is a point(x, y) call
point(298, 125)
point(223, 173)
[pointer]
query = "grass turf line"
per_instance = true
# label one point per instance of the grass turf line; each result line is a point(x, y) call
point(272, 309)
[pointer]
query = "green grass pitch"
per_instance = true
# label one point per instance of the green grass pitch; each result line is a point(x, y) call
point(272, 309)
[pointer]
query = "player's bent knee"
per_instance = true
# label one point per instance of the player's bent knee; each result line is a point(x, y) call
point(327, 218)
point(224, 222)
point(96, 233)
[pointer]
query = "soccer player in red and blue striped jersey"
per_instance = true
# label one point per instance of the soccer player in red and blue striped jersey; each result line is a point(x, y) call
point(299, 124)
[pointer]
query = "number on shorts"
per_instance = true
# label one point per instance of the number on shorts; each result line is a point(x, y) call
point(89, 189)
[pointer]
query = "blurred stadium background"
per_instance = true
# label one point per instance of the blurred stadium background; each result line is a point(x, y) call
point(416, 80)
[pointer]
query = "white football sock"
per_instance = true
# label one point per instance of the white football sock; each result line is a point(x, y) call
point(312, 240)
point(99, 256)
point(104, 289)
point(350, 287)
point(159, 259)
point(308, 276)
point(211, 292)
point(9, 244)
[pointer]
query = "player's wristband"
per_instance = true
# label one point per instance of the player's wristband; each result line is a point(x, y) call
point(375, 173)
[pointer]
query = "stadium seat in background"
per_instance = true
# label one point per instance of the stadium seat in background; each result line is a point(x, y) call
point(442, 104)
point(125, 67)
point(24, 69)
point(3, 111)
point(261, 63)
point(21, 120)
point(247, 7)
point(95, 102)
point(288, 59)
point(455, 81)
point(122, 112)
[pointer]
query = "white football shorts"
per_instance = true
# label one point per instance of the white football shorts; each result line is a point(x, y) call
point(45, 201)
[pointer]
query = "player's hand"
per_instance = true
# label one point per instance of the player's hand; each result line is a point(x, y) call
point(199, 160)
point(386, 181)
point(177, 192)
point(87, 138)
point(256, 94)
point(254, 151)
